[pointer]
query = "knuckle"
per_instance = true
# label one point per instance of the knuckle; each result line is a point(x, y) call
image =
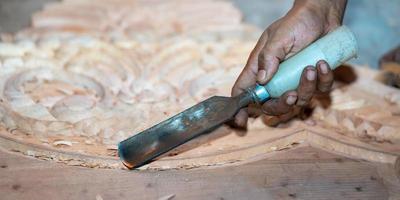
point(262, 59)
point(266, 109)
point(271, 110)
point(264, 54)
point(324, 87)
point(306, 92)
point(307, 88)
point(326, 77)
point(303, 100)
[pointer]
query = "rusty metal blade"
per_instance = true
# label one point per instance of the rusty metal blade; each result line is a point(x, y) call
point(201, 118)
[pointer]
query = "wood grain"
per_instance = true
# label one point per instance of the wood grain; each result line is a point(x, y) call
point(73, 98)
point(75, 83)
point(302, 173)
point(358, 123)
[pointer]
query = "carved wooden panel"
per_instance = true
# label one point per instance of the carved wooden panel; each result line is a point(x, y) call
point(70, 91)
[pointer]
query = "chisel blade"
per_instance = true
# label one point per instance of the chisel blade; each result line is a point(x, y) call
point(194, 121)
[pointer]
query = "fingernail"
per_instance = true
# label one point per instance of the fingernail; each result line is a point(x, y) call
point(324, 68)
point(311, 75)
point(291, 100)
point(261, 75)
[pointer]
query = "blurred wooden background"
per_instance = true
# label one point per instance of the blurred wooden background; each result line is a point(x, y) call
point(376, 23)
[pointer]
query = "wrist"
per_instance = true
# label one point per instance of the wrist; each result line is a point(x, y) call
point(331, 12)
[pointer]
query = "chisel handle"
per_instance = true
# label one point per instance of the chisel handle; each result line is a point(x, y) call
point(335, 48)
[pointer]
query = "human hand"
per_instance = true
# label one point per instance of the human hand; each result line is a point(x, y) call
point(307, 21)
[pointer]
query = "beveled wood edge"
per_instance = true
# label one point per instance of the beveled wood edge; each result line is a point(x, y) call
point(307, 136)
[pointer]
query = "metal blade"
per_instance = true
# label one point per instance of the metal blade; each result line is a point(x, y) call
point(201, 118)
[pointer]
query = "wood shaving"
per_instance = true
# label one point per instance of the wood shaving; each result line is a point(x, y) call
point(113, 96)
point(75, 163)
point(62, 142)
point(31, 153)
point(89, 142)
point(44, 140)
point(112, 147)
point(167, 197)
point(99, 197)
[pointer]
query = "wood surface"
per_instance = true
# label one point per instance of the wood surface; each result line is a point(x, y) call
point(301, 173)
point(76, 83)
point(134, 19)
point(72, 99)
point(359, 123)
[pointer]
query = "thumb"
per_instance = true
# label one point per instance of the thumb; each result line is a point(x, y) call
point(268, 60)
point(248, 76)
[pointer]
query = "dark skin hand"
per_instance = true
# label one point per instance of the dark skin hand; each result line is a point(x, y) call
point(306, 22)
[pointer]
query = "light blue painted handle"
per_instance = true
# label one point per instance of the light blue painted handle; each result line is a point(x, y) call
point(335, 48)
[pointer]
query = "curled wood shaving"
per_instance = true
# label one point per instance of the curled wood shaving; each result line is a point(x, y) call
point(62, 142)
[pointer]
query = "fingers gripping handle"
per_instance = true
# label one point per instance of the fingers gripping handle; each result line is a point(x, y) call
point(335, 48)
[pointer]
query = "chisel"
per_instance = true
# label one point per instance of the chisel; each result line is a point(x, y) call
point(335, 48)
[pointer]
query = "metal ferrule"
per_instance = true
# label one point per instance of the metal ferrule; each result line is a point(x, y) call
point(261, 94)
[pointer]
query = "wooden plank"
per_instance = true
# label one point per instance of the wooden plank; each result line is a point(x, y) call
point(71, 98)
point(303, 173)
